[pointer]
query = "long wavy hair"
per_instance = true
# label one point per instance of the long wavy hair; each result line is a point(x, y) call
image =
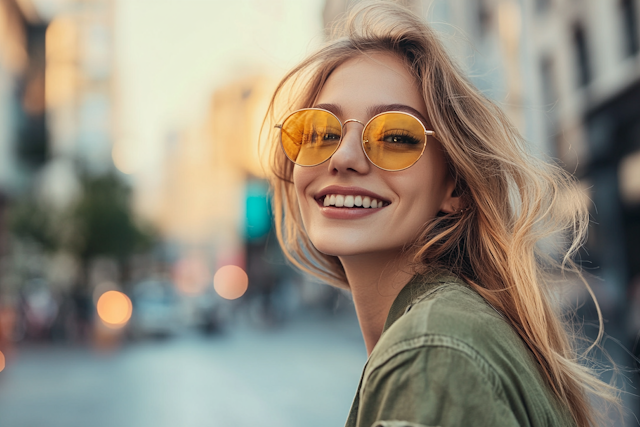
point(516, 199)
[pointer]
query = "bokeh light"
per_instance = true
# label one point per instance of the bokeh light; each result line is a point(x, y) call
point(2, 362)
point(114, 309)
point(103, 288)
point(230, 282)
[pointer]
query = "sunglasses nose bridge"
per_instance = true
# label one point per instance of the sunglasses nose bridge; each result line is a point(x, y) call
point(349, 154)
point(349, 121)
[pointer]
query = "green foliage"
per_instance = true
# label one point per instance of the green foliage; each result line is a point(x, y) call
point(99, 223)
point(104, 224)
point(29, 220)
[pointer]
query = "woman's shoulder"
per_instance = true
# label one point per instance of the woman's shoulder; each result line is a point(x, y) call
point(453, 315)
point(451, 310)
point(449, 318)
point(451, 324)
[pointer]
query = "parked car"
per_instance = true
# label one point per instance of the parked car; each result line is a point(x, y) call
point(157, 311)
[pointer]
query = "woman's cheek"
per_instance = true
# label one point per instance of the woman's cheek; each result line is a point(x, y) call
point(299, 183)
point(302, 178)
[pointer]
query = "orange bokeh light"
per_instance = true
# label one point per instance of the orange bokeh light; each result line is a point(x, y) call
point(230, 282)
point(114, 309)
point(2, 362)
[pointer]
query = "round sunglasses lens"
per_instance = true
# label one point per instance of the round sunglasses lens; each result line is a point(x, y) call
point(309, 137)
point(394, 141)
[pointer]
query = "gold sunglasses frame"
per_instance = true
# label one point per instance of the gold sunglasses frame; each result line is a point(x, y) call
point(427, 134)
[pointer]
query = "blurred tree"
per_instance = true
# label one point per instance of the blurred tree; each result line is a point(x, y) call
point(103, 223)
point(99, 223)
point(31, 221)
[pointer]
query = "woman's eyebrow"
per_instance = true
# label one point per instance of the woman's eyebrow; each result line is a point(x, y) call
point(377, 109)
point(335, 109)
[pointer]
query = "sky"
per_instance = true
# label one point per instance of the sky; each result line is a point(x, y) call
point(171, 55)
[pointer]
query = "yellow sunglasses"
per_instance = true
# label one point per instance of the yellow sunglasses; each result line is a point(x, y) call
point(392, 140)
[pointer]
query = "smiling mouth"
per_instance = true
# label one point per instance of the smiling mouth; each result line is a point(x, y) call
point(350, 202)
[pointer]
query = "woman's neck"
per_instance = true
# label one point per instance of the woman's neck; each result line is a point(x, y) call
point(375, 281)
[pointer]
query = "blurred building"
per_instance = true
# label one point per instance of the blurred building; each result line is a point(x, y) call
point(80, 81)
point(23, 138)
point(24, 142)
point(207, 169)
point(56, 104)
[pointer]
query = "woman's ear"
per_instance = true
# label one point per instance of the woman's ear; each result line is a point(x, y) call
point(452, 200)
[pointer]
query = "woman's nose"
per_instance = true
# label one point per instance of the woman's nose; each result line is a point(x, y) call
point(350, 156)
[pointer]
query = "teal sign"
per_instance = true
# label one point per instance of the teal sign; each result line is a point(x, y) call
point(258, 210)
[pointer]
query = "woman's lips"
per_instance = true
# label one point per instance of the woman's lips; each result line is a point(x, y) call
point(349, 191)
point(351, 201)
point(339, 202)
point(347, 212)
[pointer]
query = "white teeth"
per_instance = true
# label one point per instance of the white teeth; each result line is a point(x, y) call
point(349, 201)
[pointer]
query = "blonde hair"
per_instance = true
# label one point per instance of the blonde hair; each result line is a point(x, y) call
point(515, 198)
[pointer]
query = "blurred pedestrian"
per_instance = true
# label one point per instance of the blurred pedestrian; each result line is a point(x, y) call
point(398, 180)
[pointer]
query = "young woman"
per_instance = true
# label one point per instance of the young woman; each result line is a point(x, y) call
point(396, 179)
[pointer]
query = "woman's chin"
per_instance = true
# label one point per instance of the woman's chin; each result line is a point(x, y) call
point(338, 247)
point(348, 247)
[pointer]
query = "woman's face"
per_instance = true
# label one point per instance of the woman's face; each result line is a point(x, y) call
point(410, 197)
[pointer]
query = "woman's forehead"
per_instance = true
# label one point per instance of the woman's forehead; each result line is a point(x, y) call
point(366, 82)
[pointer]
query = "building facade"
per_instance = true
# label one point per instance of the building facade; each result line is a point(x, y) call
point(24, 143)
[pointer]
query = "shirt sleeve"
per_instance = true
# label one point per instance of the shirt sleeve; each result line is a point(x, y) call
point(433, 386)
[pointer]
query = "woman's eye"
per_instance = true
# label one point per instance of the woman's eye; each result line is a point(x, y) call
point(319, 136)
point(330, 137)
point(401, 139)
point(309, 138)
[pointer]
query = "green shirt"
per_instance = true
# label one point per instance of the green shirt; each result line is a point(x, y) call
point(447, 358)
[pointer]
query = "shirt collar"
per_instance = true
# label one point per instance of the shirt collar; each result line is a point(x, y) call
point(413, 290)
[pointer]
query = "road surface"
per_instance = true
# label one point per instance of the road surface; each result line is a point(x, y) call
point(301, 374)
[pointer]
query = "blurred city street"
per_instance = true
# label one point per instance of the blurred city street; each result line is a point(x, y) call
point(302, 374)
point(141, 278)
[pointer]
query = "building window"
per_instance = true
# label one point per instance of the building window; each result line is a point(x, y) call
point(582, 55)
point(542, 5)
point(549, 90)
point(550, 101)
point(484, 18)
point(630, 27)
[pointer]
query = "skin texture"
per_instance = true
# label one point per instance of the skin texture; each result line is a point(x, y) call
point(370, 247)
